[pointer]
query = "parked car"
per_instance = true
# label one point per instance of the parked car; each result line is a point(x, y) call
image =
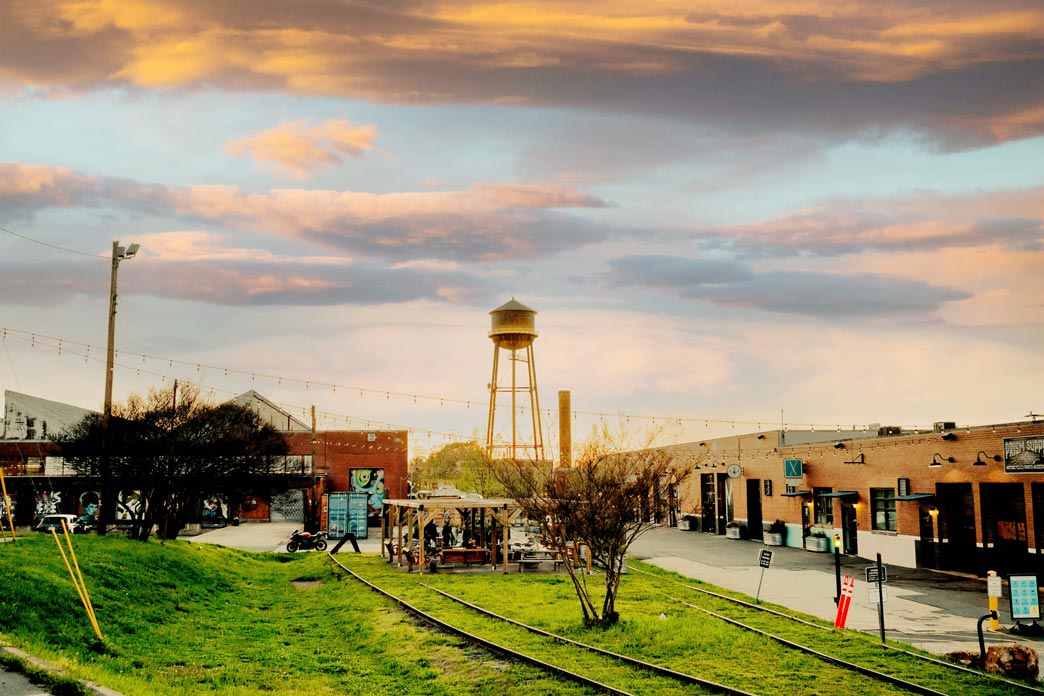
point(54, 522)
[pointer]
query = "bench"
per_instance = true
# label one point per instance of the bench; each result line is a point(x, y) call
point(465, 556)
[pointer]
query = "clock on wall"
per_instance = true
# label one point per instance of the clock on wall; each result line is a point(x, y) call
point(734, 471)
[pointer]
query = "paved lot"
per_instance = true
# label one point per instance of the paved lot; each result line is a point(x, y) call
point(932, 610)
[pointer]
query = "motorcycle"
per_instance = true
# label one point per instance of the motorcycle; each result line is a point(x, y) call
point(306, 541)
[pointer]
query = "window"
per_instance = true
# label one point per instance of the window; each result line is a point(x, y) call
point(882, 509)
point(823, 508)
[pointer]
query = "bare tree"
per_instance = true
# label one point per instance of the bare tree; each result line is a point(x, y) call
point(611, 496)
point(172, 448)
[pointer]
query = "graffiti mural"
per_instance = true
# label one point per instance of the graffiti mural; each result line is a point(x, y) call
point(3, 510)
point(48, 503)
point(214, 512)
point(90, 501)
point(370, 482)
point(128, 506)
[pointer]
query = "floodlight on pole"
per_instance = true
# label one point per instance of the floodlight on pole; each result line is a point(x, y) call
point(118, 254)
point(108, 497)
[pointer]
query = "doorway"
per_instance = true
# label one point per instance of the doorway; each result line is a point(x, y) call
point(754, 524)
point(849, 529)
point(1004, 526)
point(957, 527)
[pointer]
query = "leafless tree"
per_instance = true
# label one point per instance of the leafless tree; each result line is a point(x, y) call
point(612, 495)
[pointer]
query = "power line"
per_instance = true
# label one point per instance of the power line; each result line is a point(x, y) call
point(308, 384)
point(52, 246)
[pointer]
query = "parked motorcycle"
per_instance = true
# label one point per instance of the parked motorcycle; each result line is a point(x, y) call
point(306, 541)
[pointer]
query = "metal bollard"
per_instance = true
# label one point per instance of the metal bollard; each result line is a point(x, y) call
point(994, 605)
point(982, 641)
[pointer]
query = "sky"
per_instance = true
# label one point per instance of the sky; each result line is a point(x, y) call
point(728, 215)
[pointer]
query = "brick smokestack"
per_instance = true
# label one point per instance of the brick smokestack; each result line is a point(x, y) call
point(565, 430)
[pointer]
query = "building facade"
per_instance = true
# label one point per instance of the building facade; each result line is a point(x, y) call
point(968, 499)
point(39, 482)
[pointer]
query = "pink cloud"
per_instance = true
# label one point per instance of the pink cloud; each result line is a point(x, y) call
point(298, 149)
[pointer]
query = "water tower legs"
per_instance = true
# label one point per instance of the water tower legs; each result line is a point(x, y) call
point(516, 450)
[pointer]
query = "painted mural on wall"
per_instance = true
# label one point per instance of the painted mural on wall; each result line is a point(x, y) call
point(48, 503)
point(90, 502)
point(215, 511)
point(3, 509)
point(128, 506)
point(371, 482)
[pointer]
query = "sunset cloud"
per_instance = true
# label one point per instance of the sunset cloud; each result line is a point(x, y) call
point(489, 222)
point(898, 66)
point(823, 295)
point(298, 148)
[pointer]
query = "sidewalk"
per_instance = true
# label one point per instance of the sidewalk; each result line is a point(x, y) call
point(933, 611)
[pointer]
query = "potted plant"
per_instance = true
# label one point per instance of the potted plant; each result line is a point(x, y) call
point(776, 533)
point(733, 530)
point(818, 541)
point(689, 523)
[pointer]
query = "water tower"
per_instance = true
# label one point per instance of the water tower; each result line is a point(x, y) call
point(514, 330)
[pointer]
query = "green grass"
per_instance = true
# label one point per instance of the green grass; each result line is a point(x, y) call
point(184, 618)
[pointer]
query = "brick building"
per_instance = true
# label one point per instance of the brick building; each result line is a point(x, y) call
point(957, 498)
point(40, 482)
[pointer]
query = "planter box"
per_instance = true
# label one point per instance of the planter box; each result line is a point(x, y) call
point(684, 525)
point(773, 539)
point(732, 532)
point(817, 544)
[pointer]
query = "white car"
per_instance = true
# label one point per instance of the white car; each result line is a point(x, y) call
point(54, 522)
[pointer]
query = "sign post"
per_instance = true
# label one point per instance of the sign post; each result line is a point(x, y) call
point(845, 601)
point(994, 590)
point(879, 574)
point(764, 560)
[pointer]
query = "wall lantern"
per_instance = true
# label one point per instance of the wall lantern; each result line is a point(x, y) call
point(936, 457)
point(979, 461)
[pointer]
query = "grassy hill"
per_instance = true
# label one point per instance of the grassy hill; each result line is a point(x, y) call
point(184, 618)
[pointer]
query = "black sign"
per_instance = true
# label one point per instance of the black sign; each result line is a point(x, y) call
point(768, 487)
point(765, 559)
point(1024, 455)
point(871, 574)
point(904, 487)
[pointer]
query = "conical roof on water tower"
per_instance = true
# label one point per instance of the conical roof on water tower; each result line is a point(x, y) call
point(514, 325)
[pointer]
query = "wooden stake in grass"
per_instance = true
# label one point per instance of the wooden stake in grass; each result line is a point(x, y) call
point(77, 578)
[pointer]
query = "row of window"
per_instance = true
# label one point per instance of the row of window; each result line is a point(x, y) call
point(882, 508)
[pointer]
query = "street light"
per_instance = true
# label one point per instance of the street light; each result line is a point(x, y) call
point(108, 497)
point(118, 254)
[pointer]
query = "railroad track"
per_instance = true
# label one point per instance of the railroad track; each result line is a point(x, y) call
point(556, 670)
point(766, 610)
point(894, 683)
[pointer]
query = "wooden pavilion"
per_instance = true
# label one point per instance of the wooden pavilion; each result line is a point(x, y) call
point(406, 519)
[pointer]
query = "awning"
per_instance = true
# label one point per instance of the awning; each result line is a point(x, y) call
point(839, 494)
point(795, 494)
point(915, 496)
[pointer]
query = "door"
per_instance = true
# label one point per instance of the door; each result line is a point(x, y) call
point(721, 481)
point(1004, 526)
point(849, 529)
point(708, 508)
point(927, 553)
point(754, 526)
point(957, 527)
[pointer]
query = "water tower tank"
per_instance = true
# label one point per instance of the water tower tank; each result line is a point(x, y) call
point(514, 325)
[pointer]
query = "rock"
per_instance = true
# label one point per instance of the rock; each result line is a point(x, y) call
point(1013, 660)
point(965, 657)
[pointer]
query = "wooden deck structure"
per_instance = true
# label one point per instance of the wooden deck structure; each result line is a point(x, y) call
point(409, 517)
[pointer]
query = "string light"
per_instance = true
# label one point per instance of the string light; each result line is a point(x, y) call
point(61, 345)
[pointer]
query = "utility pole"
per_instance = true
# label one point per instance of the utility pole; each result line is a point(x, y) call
point(108, 496)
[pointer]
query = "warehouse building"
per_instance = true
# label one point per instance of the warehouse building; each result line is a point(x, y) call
point(962, 498)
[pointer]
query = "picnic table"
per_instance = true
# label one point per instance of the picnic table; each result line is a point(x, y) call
point(531, 560)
